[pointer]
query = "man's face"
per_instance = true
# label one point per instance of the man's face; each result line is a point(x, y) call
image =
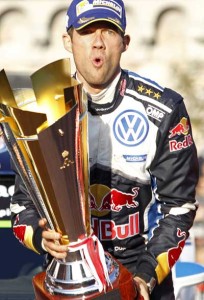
point(97, 50)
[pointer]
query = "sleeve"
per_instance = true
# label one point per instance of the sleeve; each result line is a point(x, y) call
point(25, 218)
point(174, 173)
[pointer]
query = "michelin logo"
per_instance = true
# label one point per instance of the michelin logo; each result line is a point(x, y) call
point(109, 4)
point(155, 113)
point(135, 158)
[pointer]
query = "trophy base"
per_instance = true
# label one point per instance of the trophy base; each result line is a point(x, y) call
point(73, 277)
point(123, 288)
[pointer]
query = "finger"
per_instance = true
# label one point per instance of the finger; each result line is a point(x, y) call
point(42, 222)
point(51, 235)
point(55, 249)
point(55, 246)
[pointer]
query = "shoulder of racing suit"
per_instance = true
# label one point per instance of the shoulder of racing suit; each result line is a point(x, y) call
point(156, 99)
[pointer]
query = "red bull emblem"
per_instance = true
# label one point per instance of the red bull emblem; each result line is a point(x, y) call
point(93, 204)
point(174, 253)
point(108, 230)
point(114, 200)
point(102, 201)
point(19, 232)
point(181, 128)
point(175, 145)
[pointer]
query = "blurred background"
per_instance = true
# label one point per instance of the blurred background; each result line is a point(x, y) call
point(167, 45)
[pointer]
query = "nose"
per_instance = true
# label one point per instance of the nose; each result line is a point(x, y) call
point(98, 41)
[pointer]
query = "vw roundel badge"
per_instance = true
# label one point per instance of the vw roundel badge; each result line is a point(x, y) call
point(130, 128)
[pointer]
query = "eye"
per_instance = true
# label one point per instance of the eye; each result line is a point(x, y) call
point(109, 32)
point(86, 31)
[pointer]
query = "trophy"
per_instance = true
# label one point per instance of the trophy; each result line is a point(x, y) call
point(46, 132)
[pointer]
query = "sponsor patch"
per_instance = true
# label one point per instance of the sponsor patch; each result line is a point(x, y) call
point(109, 5)
point(84, 6)
point(182, 128)
point(175, 145)
point(135, 158)
point(131, 128)
point(155, 113)
point(115, 200)
point(107, 230)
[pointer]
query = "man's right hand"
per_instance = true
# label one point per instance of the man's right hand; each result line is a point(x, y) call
point(51, 241)
point(142, 289)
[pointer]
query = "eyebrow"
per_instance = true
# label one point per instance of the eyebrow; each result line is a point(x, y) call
point(105, 25)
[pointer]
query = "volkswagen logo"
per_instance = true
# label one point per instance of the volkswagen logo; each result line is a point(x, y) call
point(131, 128)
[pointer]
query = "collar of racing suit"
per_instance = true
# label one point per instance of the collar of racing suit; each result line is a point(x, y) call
point(106, 95)
point(114, 92)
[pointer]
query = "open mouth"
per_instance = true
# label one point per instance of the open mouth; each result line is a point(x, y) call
point(97, 61)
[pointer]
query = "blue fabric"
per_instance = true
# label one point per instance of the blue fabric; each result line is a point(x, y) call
point(188, 269)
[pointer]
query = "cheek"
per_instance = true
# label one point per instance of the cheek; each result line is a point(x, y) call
point(81, 62)
point(117, 49)
point(79, 51)
point(115, 54)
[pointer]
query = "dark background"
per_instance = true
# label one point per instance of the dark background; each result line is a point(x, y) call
point(18, 264)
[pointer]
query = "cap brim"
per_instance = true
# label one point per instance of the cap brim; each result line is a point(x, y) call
point(97, 20)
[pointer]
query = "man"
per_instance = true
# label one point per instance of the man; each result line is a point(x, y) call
point(141, 153)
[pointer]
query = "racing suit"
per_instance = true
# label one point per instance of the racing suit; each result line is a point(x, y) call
point(143, 174)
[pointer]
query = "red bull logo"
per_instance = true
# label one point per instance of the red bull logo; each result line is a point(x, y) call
point(24, 234)
point(115, 200)
point(102, 201)
point(19, 232)
point(108, 230)
point(93, 204)
point(174, 253)
point(182, 128)
point(179, 145)
point(166, 260)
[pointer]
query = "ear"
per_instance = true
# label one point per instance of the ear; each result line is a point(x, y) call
point(126, 42)
point(67, 42)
